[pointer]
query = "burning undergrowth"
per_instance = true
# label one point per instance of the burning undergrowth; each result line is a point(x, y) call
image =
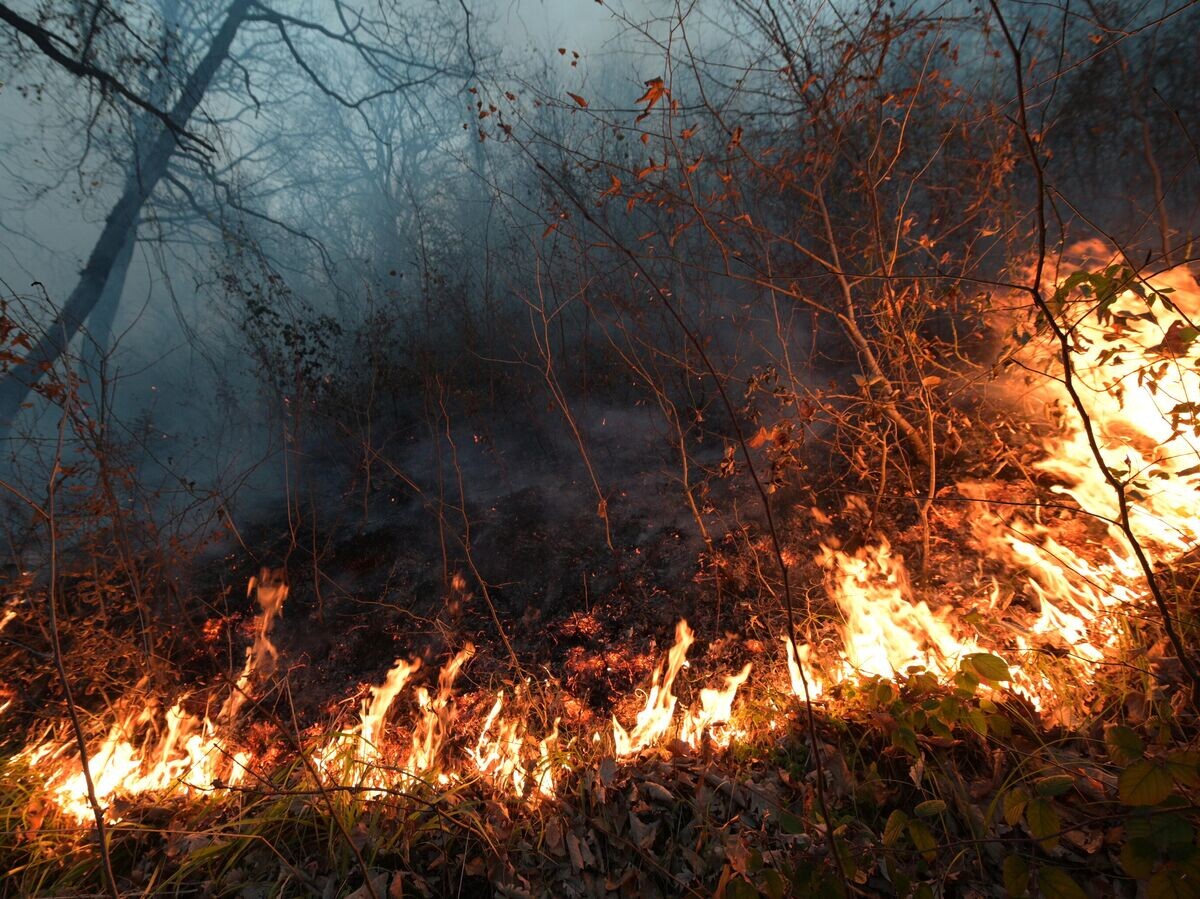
point(1009, 711)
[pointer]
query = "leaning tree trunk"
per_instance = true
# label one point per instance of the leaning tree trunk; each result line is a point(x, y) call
point(16, 384)
point(98, 344)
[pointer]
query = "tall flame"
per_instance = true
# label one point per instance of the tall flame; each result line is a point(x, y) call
point(885, 629)
point(190, 755)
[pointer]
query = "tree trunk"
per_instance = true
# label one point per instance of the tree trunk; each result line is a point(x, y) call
point(118, 226)
point(98, 343)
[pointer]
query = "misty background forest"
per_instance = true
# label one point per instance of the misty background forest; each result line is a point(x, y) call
point(583, 448)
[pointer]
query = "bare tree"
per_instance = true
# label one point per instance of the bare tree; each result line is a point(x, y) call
point(387, 54)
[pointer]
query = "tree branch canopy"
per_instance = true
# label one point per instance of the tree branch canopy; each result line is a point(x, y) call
point(50, 43)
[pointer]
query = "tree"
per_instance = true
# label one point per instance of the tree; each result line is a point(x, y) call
point(379, 43)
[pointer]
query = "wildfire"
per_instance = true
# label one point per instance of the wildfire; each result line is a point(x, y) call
point(1140, 382)
point(190, 756)
point(1137, 368)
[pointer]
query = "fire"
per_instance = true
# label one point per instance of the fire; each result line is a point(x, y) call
point(499, 756)
point(656, 718)
point(716, 710)
point(191, 754)
point(351, 757)
point(1141, 386)
point(1139, 377)
point(885, 630)
point(806, 683)
point(437, 713)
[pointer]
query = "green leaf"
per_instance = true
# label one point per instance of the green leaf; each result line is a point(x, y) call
point(774, 886)
point(894, 828)
point(789, 823)
point(1171, 883)
point(906, 738)
point(1055, 883)
point(1043, 822)
point(1138, 856)
point(740, 889)
point(930, 807)
point(1054, 785)
point(1016, 876)
point(966, 683)
point(1144, 783)
point(1160, 830)
point(923, 839)
point(1015, 801)
point(1000, 726)
point(1124, 745)
point(1184, 767)
point(988, 666)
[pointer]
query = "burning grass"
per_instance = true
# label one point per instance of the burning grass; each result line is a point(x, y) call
point(1023, 724)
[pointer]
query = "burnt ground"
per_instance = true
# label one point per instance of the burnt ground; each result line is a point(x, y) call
point(587, 601)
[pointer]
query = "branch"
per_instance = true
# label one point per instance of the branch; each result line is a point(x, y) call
point(48, 43)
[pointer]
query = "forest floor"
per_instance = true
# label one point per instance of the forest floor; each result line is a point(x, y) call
point(922, 783)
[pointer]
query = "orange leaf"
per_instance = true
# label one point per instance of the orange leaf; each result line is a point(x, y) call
point(578, 99)
point(655, 91)
point(651, 169)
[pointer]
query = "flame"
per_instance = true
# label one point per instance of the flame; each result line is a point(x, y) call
point(191, 755)
point(716, 709)
point(382, 697)
point(655, 719)
point(805, 681)
point(350, 757)
point(499, 756)
point(437, 714)
point(1142, 389)
point(1140, 381)
point(1137, 381)
point(885, 630)
point(543, 774)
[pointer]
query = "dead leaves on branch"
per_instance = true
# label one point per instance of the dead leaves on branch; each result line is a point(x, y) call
point(656, 89)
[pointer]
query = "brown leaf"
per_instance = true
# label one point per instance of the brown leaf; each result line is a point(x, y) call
point(643, 834)
point(554, 836)
point(653, 792)
point(574, 850)
point(578, 99)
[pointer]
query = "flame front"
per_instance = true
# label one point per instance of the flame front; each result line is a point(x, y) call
point(1141, 390)
point(192, 754)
